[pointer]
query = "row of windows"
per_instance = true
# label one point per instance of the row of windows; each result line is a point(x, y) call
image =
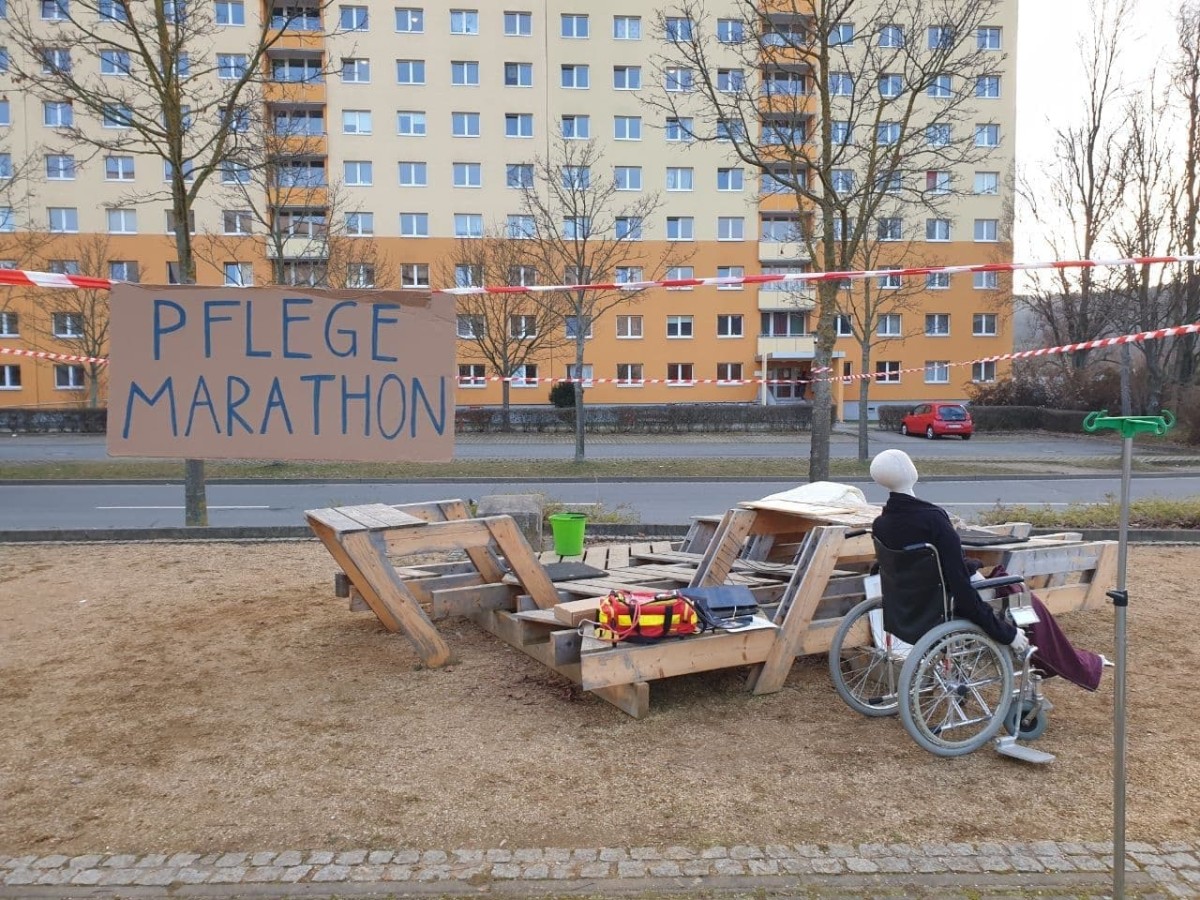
point(936, 324)
point(936, 372)
point(67, 377)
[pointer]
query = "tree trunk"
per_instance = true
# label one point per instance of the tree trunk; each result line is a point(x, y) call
point(1126, 366)
point(505, 410)
point(864, 391)
point(822, 423)
point(195, 500)
point(580, 337)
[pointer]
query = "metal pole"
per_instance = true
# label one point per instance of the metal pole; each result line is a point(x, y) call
point(1120, 601)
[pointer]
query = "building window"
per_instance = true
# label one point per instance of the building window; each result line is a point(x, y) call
point(679, 179)
point(680, 228)
point(359, 173)
point(627, 128)
point(729, 372)
point(841, 34)
point(576, 228)
point(783, 324)
point(55, 10)
point(573, 329)
point(356, 121)
point(518, 125)
point(410, 71)
point(890, 86)
point(414, 224)
point(937, 281)
point(410, 124)
point(118, 168)
point(627, 78)
point(678, 373)
point(627, 28)
point(230, 66)
point(124, 270)
point(987, 230)
point(887, 133)
point(575, 76)
point(10, 375)
point(889, 325)
point(941, 37)
point(937, 372)
point(629, 375)
point(678, 129)
point(574, 25)
point(987, 38)
point(987, 87)
point(731, 228)
point(937, 324)
point(63, 219)
point(891, 37)
point(468, 175)
point(983, 324)
point(737, 272)
point(937, 182)
point(628, 178)
point(887, 371)
point(889, 229)
point(472, 375)
point(122, 221)
point(941, 88)
point(229, 12)
point(987, 182)
point(414, 275)
point(67, 325)
point(525, 376)
point(464, 21)
point(730, 325)
point(937, 229)
point(629, 327)
point(360, 224)
point(730, 179)
point(352, 18)
point(466, 275)
point(841, 84)
point(191, 222)
point(576, 127)
point(59, 167)
point(730, 81)
point(57, 115)
point(356, 71)
point(987, 135)
point(986, 281)
point(731, 31)
point(937, 134)
point(522, 276)
point(8, 325)
point(518, 74)
point(677, 78)
point(409, 20)
point(69, 377)
point(843, 326)
point(677, 29)
point(464, 124)
point(679, 326)
point(468, 225)
point(360, 275)
point(983, 371)
point(413, 174)
point(522, 327)
point(464, 72)
point(239, 274)
point(890, 282)
point(628, 228)
point(518, 24)
point(575, 374)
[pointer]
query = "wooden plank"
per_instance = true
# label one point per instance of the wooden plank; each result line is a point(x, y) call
point(618, 556)
point(1104, 576)
point(1049, 560)
point(627, 663)
point(391, 601)
point(770, 677)
point(566, 643)
point(439, 537)
point(468, 600)
point(596, 556)
point(520, 558)
point(357, 603)
point(539, 617)
point(572, 612)
point(819, 636)
point(379, 515)
point(423, 588)
point(333, 519)
point(726, 546)
point(1065, 598)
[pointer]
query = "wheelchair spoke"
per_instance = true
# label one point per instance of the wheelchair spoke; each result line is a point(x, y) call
point(958, 690)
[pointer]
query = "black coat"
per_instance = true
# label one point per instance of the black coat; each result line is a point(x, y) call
point(907, 520)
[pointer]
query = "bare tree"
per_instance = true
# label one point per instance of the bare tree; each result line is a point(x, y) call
point(1082, 193)
point(577, 227)
point(509, 331)
point(1186, 82)
point(813, 93)
point(160, 91)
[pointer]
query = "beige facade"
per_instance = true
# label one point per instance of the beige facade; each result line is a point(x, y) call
point(417, 124)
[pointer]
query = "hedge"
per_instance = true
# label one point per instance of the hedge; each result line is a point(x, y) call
point(33, 420)
point(1000, 418)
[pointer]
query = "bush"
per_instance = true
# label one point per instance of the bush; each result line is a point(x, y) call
point(562, 395)
point(890, 416)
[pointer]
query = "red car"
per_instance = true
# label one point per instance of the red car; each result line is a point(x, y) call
point(936, 419)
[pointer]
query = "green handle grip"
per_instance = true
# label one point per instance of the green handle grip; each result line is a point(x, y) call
point(1129, 425)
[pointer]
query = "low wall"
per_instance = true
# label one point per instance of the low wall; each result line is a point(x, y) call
point(999, 418)
point(30, 420)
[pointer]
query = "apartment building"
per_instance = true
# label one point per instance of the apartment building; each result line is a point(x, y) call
point(424, 120)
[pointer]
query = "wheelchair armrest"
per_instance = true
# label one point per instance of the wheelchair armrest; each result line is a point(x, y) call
point(997, 582)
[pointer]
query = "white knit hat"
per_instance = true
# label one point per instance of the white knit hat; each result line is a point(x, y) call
point(894, 470)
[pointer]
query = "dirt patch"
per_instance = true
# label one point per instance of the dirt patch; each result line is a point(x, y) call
point(206, 697)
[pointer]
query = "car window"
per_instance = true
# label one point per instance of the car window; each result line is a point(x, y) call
point(952, 414)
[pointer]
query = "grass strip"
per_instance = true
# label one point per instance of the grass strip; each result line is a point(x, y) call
point(1150, 512)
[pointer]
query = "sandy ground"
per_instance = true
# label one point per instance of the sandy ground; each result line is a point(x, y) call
point(160, 697)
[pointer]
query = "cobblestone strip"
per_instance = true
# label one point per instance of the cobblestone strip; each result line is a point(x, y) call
point(1174, 866)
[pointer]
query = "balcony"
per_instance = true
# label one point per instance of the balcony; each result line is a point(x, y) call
point(298, 247)
point(799, 347)
point(797, 296)
point(781, 251)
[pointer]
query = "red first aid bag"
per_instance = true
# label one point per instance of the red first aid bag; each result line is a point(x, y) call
point(645, 617)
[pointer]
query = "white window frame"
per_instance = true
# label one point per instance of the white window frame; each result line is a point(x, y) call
point(409, 20)
point(627, 128)
point(575, 76)
point(359, 172)
point(627, 178)
point(465, 125)
point(356, 70)
point(989, 229)
point(68, 219)
point(360, 224)
point(684, 228)
point(889, 325)
point(67, 326)
point(472, 375)
point(126, 220)
point(518, 23)
point(574, 26)
point(75, 377)
point(350, 20)
point(681, 374)
point(464, 21)
point(683, 326)
point(729, 373)
point(627, 78)
point(731, 228)
point(630, 328)
point(984, 38)
point(731, 325)
point(887, 371)
point(987, 87)
point(521, 72)
point(627, 28)
point(891, 85)
point(410, 72)
point(937, 281)
point(418, 224)
point(630, 375)
point(731, 179)
point(467, 174)
point(680, 178)
point(937, 371)
point(983, 372)
point(464, 72)
point(414, 275)
point(515, 125)
point(937, 325)
point(468, 225)
point(986, 281)
point(934, 229)
point(985, 325)
point(987, 134)
point(417, 173)
point(576, 127)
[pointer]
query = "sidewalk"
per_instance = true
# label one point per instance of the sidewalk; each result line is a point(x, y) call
point(948, 871)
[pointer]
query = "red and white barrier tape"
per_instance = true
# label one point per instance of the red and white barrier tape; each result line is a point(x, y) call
point(45, 354)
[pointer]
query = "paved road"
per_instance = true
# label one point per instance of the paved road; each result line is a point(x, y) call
point(617, 446)
point(654, 502)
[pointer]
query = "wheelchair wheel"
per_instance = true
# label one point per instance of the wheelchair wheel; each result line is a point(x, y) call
point(1015, 722)
point(866, 676)
point(955, 689)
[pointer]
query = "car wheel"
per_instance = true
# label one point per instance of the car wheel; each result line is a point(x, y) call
point(903, 429)
point(966, 437)
point(929, 433)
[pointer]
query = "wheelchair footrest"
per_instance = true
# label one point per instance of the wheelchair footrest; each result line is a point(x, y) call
point(1008, 746)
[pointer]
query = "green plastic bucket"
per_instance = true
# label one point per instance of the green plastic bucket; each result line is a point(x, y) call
point(568, 533)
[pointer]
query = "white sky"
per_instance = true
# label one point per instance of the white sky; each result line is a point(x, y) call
point(1050, 77)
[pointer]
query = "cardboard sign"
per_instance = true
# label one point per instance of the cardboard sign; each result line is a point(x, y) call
point(281, 373)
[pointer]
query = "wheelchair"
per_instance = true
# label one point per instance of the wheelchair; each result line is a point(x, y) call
point(902, 651)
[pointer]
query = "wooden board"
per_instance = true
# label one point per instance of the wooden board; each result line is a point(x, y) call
point(627, 663)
